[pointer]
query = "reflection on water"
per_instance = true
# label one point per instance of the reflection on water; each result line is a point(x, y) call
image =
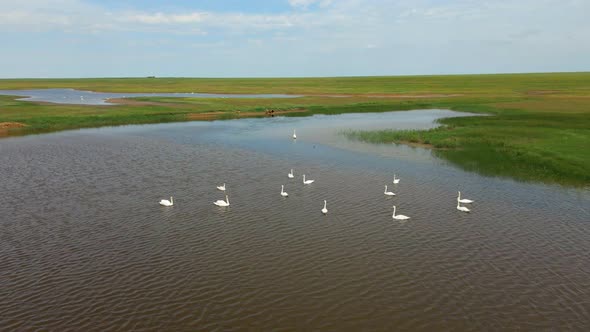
point(71, 96)
point(84, 244)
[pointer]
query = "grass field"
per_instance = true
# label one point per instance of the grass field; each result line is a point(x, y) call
point(478, 84)
point(539, 128)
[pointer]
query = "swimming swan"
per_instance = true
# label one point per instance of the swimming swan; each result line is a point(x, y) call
point(461, 208)
point(283, 193)
point(166, 202)
point(290, 175)
point(399, 216)
point(395, 181)
point(222, 188)
point(324, 210)
point(388, 193)
point(221, 202)
point(464, 200)
point(308, 181)
point(294, 134)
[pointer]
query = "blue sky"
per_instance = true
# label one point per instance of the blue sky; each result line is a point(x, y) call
point(263, 38)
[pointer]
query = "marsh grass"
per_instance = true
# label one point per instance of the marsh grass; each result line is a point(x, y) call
point(545, 147)
point(471, 84)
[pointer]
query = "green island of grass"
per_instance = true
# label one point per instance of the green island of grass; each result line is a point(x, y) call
point(538, 128)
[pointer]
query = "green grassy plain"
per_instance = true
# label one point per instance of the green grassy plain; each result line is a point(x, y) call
point(539, 128)
point(480, 84)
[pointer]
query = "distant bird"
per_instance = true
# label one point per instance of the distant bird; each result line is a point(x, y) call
point(290, 175)
point(462, 208)
point(221, 202)
point(294, 134)
point(166, 202)
point(388, 193)
point(222, 188)
point(283, 193)
point(399, 216)
point(307, 181)
point(395, 181)
point(324, 210)
point(464, 200)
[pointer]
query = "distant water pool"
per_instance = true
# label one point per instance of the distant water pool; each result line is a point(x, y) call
point(80, 97)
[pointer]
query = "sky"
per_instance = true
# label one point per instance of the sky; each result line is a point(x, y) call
point(290, 38)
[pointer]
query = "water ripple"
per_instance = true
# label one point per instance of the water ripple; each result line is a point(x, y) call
point(85, 246)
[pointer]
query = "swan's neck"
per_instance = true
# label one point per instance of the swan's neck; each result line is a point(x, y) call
point(303, 177)
point(171, 200)
point(325, 204)
point(385, 189)
point(282, 187)
point(227, 199)
point(459, 194)
point(394, 211)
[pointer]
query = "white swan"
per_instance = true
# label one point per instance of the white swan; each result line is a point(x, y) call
point(308, 181)
point(221, 202)
point(388, 193)
point(462, 208)
point(399, 216)
point(324, 210)
point(464, 200)
point(290, 175)
point(294, 134)
point(222, 188)
point(283, 193)
point(166, 202)
point(395, 181)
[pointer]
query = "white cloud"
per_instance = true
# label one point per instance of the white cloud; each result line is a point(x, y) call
point(78, 16)
point(345, 22)
point(236, 22)
point(160, 18)
point(307, 3)
point(404, 36)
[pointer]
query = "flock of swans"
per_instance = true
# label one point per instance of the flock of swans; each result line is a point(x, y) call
point(464, 201)
point(324, 210)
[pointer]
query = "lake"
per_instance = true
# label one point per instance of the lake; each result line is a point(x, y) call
point(84, 244)
point(72, 96)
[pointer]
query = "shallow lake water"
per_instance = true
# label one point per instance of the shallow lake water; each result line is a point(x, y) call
point(80, 97)
point(84, 244)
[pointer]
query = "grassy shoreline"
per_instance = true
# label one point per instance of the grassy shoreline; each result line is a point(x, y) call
point(539, 128)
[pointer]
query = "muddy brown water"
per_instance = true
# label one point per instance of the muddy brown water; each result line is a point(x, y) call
point(84, 244)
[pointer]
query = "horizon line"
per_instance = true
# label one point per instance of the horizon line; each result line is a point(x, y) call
point(288, 77)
